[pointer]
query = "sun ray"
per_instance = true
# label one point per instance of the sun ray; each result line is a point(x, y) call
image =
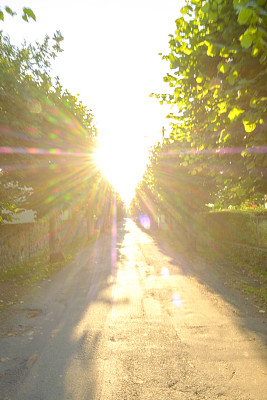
point(122, 163)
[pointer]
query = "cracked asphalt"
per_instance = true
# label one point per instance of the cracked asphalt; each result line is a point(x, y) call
point(130, 319)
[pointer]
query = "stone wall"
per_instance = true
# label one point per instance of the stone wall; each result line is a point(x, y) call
point(22, 242)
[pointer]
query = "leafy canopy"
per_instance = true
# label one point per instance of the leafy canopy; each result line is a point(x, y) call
point(218, 86)
point(47, 134)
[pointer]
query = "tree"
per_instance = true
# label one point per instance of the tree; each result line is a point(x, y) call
point(47, 135)
point(172, 189)
point(218, 55)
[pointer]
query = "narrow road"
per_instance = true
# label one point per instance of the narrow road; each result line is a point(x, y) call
point(129, 320)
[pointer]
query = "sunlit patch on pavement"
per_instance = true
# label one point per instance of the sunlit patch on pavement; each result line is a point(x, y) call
point(177, 301)
point(114, 238)
point(111, 280)
point(145, 221)
point(165, 272)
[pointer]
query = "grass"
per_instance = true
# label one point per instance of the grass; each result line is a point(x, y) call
point(243, 266)
point(259, 294)
point(36, 269)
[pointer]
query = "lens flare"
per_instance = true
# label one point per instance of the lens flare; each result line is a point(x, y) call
point(145, 221)
point(165, 272)
point(177, 301)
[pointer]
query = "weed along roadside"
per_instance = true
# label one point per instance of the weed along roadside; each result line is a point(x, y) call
point(16, 280)
point(240, 262)
point(242, 268)
point(236, 242)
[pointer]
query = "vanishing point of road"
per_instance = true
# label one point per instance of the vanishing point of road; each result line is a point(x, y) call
point(130, 319)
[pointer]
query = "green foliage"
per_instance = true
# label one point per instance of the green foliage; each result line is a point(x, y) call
point(27, 13)
point(241, 264)
point(171, 187)
point(218, 58)
point(47, 133)
point(18, 278)
point(47, 142)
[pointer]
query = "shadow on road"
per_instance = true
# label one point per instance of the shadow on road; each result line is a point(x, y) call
point(190, 263)
point(66, 335)
point(85, 331)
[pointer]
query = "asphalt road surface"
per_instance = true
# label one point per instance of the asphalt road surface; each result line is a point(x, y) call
point(131, 320)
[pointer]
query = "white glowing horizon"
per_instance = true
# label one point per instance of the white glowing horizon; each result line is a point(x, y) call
point(111, 59)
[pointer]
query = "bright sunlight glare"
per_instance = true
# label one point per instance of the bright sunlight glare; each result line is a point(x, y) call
point(122, 163)
point(113, 75)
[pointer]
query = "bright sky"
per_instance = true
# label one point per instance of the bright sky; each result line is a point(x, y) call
point(111, 59)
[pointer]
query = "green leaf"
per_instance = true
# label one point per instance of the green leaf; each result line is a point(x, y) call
point(238, 4)
point(234, 113)
point(246, 40)
point(2, 15)
point(205, 8)
point(223, 67)
point(232, 77)
point(226, 137)
point(253, 102)
point(184, 49)
point(9, 11)
point(255, 51)
point(222, 107)
point(184, 10)
point(173, 60)
point(244, 15)
point(179, 22)
point(249, 126)
point(224, 52)
point(211, 51)
point(221, 135)
point(28, 13)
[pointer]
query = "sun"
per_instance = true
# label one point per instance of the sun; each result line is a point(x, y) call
point(123, 164)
